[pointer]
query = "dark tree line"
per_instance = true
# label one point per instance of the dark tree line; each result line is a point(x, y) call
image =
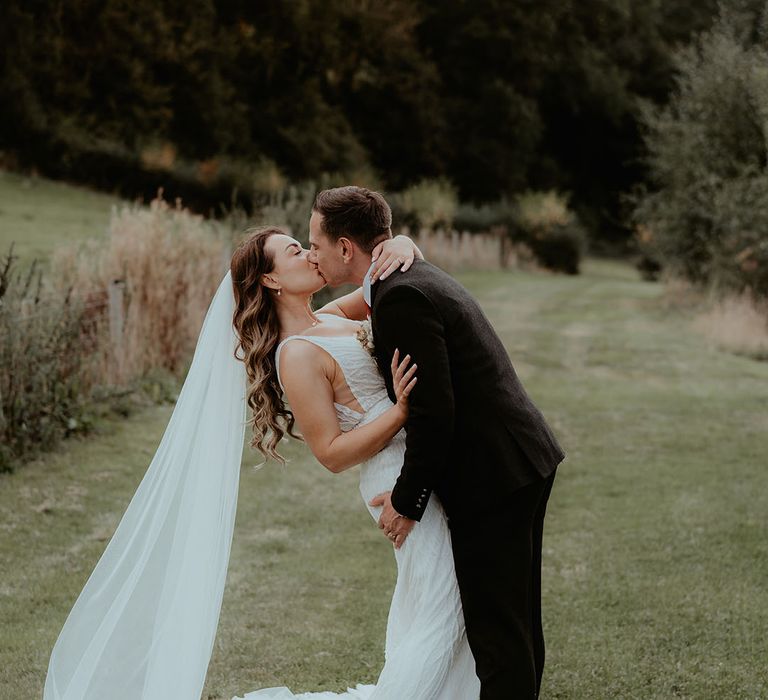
point(495, 95)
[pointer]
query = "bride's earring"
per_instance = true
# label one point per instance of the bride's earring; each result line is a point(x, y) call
point(278, 292)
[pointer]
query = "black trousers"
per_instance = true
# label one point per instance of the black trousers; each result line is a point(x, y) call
point(498, 567)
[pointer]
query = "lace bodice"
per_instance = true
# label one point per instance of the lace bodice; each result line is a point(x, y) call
point(360, 372)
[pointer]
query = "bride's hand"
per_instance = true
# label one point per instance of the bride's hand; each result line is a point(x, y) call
point(403, 380)
point(399, 251)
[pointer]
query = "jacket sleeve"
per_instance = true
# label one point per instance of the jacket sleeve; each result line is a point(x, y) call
point(407, 319)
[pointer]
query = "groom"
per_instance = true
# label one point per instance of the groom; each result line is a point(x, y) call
point(473, 436)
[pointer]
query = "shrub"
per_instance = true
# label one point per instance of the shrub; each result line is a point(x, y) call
point(257, 179)
point(649, 264)
point(45, 341)
point(544, 222)
point(289, 208)
point(484, 217)
point(708, 148)
point(429, 204)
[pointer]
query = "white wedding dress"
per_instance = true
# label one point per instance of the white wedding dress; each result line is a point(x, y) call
point(427, 656)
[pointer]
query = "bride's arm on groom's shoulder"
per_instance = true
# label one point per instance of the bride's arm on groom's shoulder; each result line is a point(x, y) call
point(306, 372)
point(351, 306)
point(398, 252)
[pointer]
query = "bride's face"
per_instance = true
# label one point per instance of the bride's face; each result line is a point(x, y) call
point(292, 273)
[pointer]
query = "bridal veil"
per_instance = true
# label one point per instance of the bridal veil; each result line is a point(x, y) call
point(145, 622)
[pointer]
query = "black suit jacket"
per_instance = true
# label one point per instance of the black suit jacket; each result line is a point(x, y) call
point(473, 434)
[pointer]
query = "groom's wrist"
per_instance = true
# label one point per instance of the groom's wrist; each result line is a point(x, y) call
point(409, 502)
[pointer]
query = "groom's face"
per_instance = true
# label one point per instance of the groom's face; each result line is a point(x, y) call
point(327, 254)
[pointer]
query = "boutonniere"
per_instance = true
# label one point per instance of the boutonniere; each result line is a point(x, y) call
point(365, 336)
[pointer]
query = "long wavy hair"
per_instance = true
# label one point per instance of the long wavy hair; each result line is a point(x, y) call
point(258, 329)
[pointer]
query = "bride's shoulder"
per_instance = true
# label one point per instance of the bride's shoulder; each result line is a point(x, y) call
point(295, 351)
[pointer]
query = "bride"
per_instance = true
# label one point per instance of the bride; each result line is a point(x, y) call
point(340, 402)
point(144, 623)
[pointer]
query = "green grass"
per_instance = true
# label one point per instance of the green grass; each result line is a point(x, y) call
point(656, 543)
point(39, 214)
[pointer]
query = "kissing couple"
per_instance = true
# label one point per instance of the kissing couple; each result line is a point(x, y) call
point(406, 377)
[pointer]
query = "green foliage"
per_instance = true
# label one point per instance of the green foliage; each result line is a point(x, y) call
point(290, 208)
point(492, 96)
point(428, 204)
point(708, 215)
point(551, 229)
point(45, 340)
point(484, 217)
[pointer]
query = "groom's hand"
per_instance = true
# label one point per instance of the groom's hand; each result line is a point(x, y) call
point(396, 527)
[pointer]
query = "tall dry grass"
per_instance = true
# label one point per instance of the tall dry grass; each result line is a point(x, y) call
point(452, 250)
point(168, 263)
point(736, 323)
point(107, 314)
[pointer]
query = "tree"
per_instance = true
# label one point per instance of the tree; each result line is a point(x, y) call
point(707, 215)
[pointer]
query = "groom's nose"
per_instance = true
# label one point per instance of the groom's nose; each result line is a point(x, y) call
point(312, 257)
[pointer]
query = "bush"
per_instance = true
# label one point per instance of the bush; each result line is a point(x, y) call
point(484, 217)
point(45, 342)
point(707, 217)
point(649, 268)
point(289, 208)
point(544, 222)
point(429, 204)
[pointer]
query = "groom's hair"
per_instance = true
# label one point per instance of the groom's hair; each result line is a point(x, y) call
point(356, 213)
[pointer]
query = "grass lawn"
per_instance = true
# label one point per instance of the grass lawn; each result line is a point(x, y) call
point(656, 544)
point(40, 214)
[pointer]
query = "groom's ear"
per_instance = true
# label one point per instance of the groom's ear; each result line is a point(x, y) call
point(346, 249)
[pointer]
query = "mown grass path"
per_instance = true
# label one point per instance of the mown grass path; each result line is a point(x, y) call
point(656, 544)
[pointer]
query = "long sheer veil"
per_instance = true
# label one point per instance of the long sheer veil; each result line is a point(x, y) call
point(145, 622)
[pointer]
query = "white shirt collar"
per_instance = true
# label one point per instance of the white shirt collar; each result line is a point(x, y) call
point(367, 284)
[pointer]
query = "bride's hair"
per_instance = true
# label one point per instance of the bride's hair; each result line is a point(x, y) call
point(258, 329)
